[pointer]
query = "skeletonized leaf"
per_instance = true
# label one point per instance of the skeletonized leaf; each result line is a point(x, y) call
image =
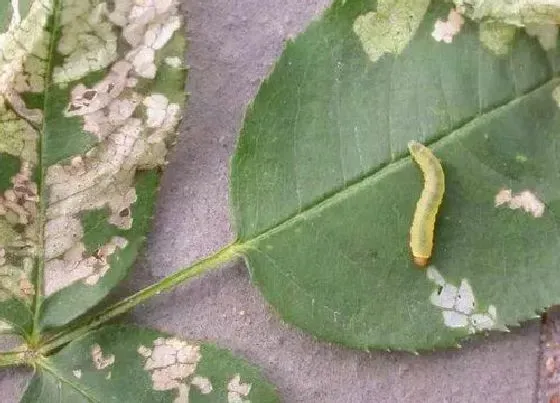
point(129, 364)
point(324, 191)
point(90, 95)
point(513, 12)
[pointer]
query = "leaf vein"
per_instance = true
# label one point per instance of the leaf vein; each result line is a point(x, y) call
point(341, 192)
point(62, 379)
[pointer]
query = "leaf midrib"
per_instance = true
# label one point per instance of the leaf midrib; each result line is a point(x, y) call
point(382, 170)
point(54, 21)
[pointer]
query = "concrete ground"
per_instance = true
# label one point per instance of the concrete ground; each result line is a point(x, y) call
point(233, 45)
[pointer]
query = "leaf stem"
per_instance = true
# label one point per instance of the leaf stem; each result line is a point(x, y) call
point(202, 266)
point(12, 358)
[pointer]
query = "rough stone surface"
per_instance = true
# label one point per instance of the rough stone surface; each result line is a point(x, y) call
point(233, 47)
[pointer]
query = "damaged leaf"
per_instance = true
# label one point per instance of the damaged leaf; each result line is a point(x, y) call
point(324, 191)
point(91, 93)
point(129, 364)
point(518, 13)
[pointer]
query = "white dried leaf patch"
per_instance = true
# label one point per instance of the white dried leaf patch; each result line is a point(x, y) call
point(76, 266)
point(160, 113)
point(149, 25)
point(103, 178)
point(88, 42)
point(458, 305)
point(172, 365)
point(237, 391)
point(144, 351)
point(5, 327)
point(446, 30)
point(17, 136)
point(15, 283)
point(86, 101)
point(101, 361)
point(18, 209)
point(131, 128)
point(19, 203)
point(77, 373)
point(203, 384)
point(525, 200)
point(174, 61)
point(23, 47)
point(390, 28)
point(16, 16)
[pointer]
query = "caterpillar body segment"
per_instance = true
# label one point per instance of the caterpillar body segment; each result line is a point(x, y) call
point(423, 223)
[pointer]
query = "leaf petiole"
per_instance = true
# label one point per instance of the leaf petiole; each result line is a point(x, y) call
point(197, 269)
point(15, 357)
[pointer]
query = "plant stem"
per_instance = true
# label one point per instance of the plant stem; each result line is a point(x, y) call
point(202, 266)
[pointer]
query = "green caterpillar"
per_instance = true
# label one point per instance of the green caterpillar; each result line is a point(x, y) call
point(422, 229)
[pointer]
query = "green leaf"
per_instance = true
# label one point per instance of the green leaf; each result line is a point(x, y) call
point(324, 191)
point(129, 364)
point(91, 93)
